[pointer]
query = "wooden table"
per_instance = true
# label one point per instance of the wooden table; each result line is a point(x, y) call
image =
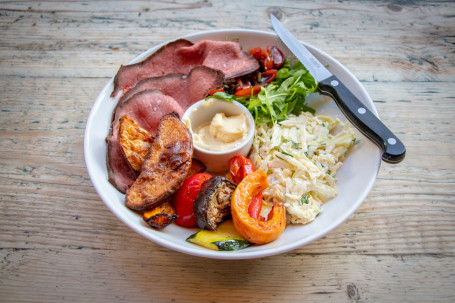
point(59, 242)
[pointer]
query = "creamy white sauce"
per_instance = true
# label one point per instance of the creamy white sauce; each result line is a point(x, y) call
point(222, 132)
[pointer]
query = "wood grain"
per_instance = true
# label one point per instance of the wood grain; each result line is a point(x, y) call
point(59, 242)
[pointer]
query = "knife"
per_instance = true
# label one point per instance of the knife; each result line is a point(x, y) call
point(356, 112)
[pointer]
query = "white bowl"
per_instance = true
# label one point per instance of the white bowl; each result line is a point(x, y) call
point(355, 178)
point(203, 112)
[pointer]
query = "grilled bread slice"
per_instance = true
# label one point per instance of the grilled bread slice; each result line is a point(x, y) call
point(166, 166)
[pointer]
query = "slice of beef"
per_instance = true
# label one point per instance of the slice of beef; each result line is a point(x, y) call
point(120, 174)
point(146, 108)
point(162, 62)
point(226, 56)
point(181, 56)
point(185, 89)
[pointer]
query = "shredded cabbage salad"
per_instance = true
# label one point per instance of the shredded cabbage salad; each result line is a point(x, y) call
point(301, 156)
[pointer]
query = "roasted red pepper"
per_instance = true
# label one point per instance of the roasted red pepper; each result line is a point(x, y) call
point(248, 91)
point(255, 206)
point(185, 197)
point(216, 90)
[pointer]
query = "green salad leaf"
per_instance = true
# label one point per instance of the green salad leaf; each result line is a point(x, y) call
point(285, 95)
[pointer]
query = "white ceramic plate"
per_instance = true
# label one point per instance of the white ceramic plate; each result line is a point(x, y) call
point(355, 178)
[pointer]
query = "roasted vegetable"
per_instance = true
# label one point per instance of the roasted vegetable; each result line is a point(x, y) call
point(276, 55)
point(263, 57)
point(166, 166)
point(239, 168)
point(134, 141)
point(213, 203)
point(184, 199)
point(197, 167)
point(254, 230)
point(224, 238)
point(161, 216)
point(248, 91)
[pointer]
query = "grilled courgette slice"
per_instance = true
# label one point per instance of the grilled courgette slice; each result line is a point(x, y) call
point(224, 238)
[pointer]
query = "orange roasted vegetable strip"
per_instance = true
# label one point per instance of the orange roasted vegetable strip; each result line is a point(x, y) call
point(254, 230)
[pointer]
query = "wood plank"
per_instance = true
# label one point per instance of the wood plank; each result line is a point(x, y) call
point(102, 41)
point(135, 273)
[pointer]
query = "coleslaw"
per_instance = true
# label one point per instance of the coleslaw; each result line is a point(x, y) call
point(301, 156)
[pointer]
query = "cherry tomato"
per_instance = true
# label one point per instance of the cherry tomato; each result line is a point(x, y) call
point(184, 199)
point(268, 76)
point(263, 58)
point(242, 84)
point(240, 167)
point(255, 52)
point(276, 55)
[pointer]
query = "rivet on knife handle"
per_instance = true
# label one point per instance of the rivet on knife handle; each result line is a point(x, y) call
point(359, 115)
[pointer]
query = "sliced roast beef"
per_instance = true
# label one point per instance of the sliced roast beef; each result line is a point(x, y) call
point(162, 62)
point(185, 89)
point(146, 108)
point(119, 171)
point(226, 56)
point(181, 56)
point(199, 82)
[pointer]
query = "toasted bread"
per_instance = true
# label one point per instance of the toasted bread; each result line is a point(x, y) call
point(134, 141)
point(166, 166)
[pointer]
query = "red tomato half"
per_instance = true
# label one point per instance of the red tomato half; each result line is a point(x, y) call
point(276, 55)
point(240, 167)
point(184, 199)
point(242, 84)
point(268, 76)
point(263, 58)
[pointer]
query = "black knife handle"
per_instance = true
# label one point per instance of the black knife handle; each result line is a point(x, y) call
point(361, 117)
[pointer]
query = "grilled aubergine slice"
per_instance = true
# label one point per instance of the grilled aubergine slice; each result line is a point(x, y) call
point(213, 203)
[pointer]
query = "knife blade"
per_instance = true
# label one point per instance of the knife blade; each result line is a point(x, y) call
point(357, 113)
